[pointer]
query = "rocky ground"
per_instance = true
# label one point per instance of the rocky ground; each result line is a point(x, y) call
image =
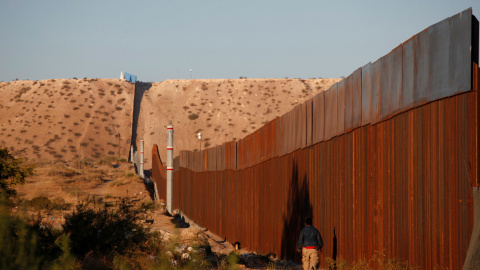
point(106, 181)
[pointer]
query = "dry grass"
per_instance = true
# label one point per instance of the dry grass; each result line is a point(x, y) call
point(378, 261)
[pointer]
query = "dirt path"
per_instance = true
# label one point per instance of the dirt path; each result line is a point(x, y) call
point(189, 232)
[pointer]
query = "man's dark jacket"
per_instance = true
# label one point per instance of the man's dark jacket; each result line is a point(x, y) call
point(309, 237)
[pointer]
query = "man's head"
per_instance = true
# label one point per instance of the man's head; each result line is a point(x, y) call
point(308, 221)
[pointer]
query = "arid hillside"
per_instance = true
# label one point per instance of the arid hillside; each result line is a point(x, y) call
point(66, 119)
point(93, 118)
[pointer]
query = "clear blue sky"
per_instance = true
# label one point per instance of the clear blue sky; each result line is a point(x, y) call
point(158, 40)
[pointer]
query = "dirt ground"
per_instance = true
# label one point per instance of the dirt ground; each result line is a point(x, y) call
point(108, 181)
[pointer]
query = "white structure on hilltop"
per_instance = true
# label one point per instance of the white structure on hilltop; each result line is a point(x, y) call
point(122, 76)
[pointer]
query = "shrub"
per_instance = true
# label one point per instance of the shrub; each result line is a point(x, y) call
point(42, 202)
point(104, 232)
point(12, 172)
point(193, 116)
point(32, 245)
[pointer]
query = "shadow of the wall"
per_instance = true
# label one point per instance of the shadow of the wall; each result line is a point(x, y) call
point(298, 209)
point(334, 251)
point(140, 88)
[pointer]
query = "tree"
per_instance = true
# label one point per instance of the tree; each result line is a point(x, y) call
point(12, 172)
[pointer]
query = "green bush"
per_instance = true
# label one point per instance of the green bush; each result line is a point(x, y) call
point(12, 172)
point(31, 245)
point(104, 232)
point(17, 244)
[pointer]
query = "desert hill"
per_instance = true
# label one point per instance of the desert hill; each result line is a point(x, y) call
point(66, 119)
point(93, 118)
point(221, 109)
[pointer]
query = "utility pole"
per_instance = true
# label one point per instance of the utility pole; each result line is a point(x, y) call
point(142, 173)
point(170, 167)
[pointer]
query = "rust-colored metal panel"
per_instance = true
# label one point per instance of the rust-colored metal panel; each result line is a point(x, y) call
point(242, 155)
point(357, 98)
point(422, 68)
point(348, 85)
point(439, 37)
point(279, 137)
point(230, 156)
point(211, 159)
point(331, 112)
point(299, 130)
point(159, 173)
point(301, 118)
point(366, 93)
point(309, 122)
point(391, 96)
point(289, 130)
point(270, 139)
point(340, 108)
point(318, 118)
point(460, 51)
point(408, 73)
point(375, 79)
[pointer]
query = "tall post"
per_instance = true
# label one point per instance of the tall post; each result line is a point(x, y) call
point(131, 154)
point(142, 174)
point(170, 167)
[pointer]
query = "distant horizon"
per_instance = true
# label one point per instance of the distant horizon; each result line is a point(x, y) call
point(212, 79)
point(214, 39)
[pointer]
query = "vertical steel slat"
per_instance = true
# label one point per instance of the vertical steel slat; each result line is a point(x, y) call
point(309, 122)
point(408, 73)
point(460, 51)
point(357, 94)
point(331, 112)
point(340, 108)
point(366, 93)
point(391, 96)
point(375, 80)
point(348, 103)
point(439, 37)
point(318, 117)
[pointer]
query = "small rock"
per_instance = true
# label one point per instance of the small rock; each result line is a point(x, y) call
point(186, 257)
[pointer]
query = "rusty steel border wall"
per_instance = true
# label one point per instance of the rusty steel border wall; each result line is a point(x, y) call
point(159, 174)
point(383, 161)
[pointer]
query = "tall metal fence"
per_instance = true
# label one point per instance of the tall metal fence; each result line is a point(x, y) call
point(159, 175)
point(384, 161)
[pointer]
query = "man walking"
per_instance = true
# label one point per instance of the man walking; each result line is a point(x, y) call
point(311, 241)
